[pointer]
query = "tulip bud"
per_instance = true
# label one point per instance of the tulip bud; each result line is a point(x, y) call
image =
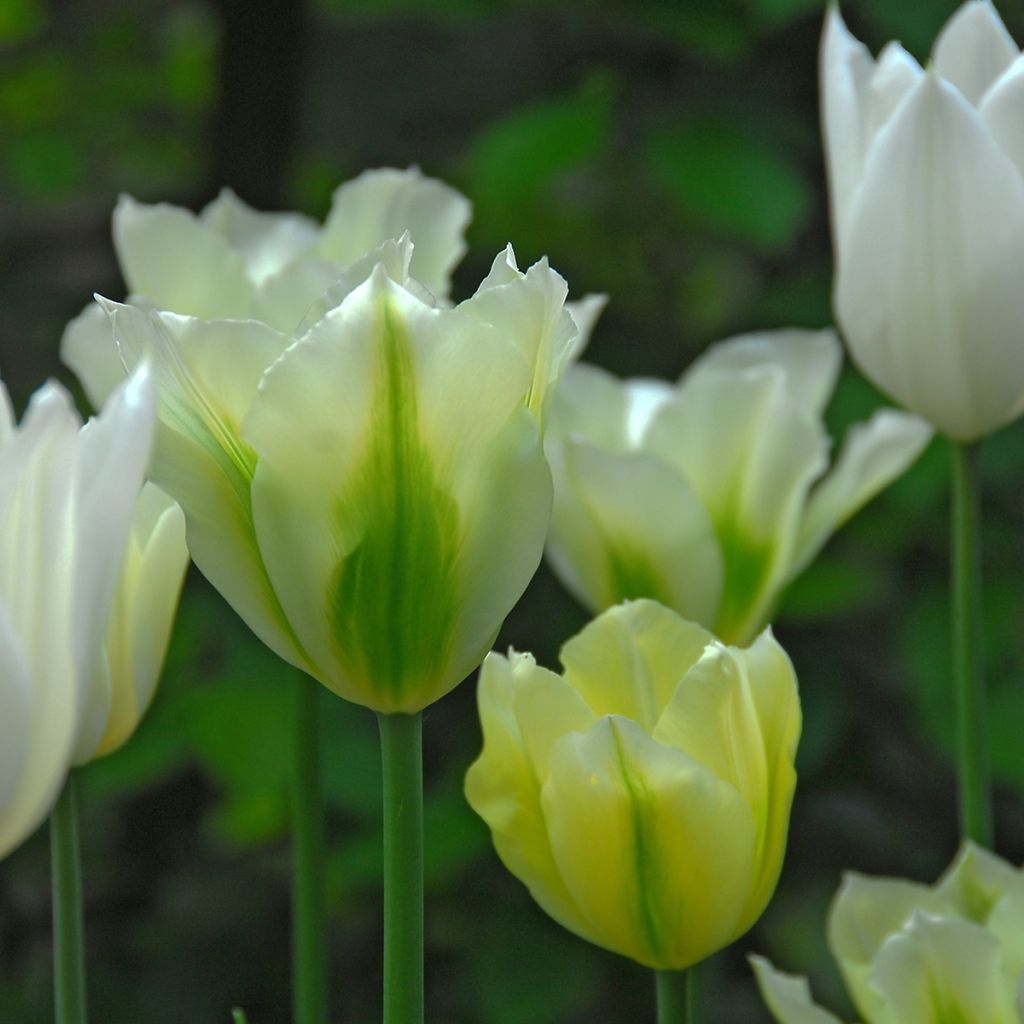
point(711, 495)
point(925, 171)
point(372, 498)
point(910, 952)
point(66, 500)
point(643, 795)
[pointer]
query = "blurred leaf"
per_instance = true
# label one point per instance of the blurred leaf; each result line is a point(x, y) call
point(44, 164)
point(830, 588)
point(35, 93)
point(779, 11)
point(712, 28)
point(20, 19)
point(718, 176)
point(191, 56)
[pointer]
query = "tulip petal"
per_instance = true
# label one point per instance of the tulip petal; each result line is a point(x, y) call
point(976, 881)
point(503, 788)
point(285, 299)
point(592, 403)
point(864, 913)
point(15, 725)
point(751, 454)
point(1006, 923)
point(627, 525)
point(1001, 110)
point(678, 842)
point(629, 660)
point(940, 969)
point(809, 361)
point(788, 997)
point(89, 350)
point(846, 68)
point(388, 523)
point(974, 49)
point(207, 375)
point(384, 204)
point(268, 242)
point(875, 453)
point(928, 291)
point(178, 263)
point(585, 313)
point(894, 77)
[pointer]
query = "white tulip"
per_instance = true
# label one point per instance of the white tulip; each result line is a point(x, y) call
point(926, 170)
point(67, 494)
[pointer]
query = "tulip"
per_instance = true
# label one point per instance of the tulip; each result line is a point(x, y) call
point(910, 952)
point(711, 495)
point(66, 500)
point(643, 795)
point(927, 200)
point(372, 498)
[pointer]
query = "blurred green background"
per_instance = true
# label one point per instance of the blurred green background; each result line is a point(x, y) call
point(666, 153)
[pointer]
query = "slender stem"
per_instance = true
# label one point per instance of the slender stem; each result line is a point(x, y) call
point(68, 941)
point(402, 758)
point(678, 996)
point(968, 657)
point(309, 963)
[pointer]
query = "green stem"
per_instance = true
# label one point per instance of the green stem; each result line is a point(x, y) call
point(973, 782)
point(402, 759)
point(678, 996)
point(309, 964)
point(68, 942)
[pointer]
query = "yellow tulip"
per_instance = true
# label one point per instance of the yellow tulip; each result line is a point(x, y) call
point(643, 795)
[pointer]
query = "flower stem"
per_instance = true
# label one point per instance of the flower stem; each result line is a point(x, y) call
point(68, 942)
point(973, 782)
point(678, 996)
point(309, 965)
point(402, 758)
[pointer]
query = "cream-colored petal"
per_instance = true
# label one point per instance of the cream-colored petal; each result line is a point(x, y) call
point(383, 204)
point(288, 299)
point(933, 316)
point(88, 348)
point(656, 852)
point(976, 881)
point(788, 997)
point(1006, 923)
point(864, 913)
point(585, 313)
point(751, 455)
point(891, 82)
point(974, 49)
point(940, 969)
point(846, 69)
point(808, 360)
point(874, 454)
point(1002, 110)
point(629, 660)
point(178, 263)
point(627, 525)
point(15, 725)
point(644, 397)
point(502, 786)
point(528, 310)
point(268, 242)
point(592, 404)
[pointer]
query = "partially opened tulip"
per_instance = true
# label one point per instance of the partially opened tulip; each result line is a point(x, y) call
point(643, 795)
point(931, 955)
point(926, 173)
point(67, 495)
point(712, 494)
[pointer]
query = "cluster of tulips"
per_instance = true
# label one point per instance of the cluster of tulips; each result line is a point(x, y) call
point(369, 473)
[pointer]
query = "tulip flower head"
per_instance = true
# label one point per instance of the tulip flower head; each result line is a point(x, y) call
point(371, 496)
point(909, 952)
point(643, 795)
point(711, 495)
point(926, 174)
point(66, 498)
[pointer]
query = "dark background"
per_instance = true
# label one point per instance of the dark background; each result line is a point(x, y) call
point(666, 153)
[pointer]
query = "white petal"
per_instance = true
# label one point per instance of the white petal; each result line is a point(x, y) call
point(593, 404)
point(874, 454)
point(974, 49)
point(384, 204)
point(893, 78)
point(1003, 112)
point(845, 71)
point(267, 241)
point(171, 258)
point(584, 313)
point(628, 525)
point(89, 349)
point(809, 362)
point(644, 397)
point(788, 997)
point(15, 725)
point(928, 291)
